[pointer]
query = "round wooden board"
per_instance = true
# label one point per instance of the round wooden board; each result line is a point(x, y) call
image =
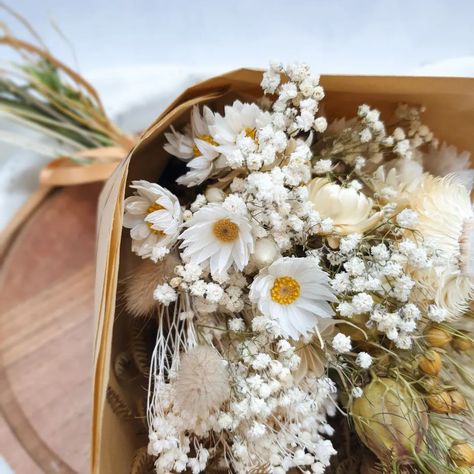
point(46, 334)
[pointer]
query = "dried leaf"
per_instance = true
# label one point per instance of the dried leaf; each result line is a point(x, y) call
point(118, 405)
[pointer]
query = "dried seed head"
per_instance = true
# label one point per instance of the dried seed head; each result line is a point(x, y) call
point(462, 454)
point(390, 419)
point(437, 337)
point(447, 402)
point(430, 363)
point(202, 382)
point(462, 343)
point(142, 281)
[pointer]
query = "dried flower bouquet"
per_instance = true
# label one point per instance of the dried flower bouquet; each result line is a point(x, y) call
point(311, 285)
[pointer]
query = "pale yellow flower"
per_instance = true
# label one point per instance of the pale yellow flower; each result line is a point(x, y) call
point(349, 209)
point(446, 222)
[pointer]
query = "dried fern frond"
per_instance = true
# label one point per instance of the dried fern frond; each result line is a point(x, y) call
point(142, 462)
point(118, 405)
point(122, 364)
point(138, 348)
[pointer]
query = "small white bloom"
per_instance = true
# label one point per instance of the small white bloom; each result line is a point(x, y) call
point(165, 294)
point(236, 324)
point(437, 314)
point(380, 252)
point(408, 219)
point(341, 343)
point(365, 136)
point(322, 166)
point(214, 292)
point(349, 243)
point(364, 360)
point(362, 302)
point(357, 392)
point(320, 124)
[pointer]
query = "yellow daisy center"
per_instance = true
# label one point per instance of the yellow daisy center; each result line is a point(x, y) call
point(251, 133)
point(225, 230)
point(285, 290)
point(205, 138)
point(154, 207)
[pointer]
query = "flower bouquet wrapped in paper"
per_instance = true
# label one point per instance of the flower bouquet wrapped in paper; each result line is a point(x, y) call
point(285, 271)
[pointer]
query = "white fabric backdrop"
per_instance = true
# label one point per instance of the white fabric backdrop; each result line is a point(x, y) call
point(141, 53)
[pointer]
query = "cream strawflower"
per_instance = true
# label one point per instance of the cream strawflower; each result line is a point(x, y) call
point(295, 292)
point(154, 218)
point(349, 209)
point(446, 222)
point(312, 353)
point(236, 131)
point(197, 147)
point(397, 182)
point(219, 238)
point(445, 159)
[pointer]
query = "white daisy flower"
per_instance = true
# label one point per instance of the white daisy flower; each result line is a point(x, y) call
point(237, 130)
point(294, 292)
point(219, 237)
point(196, 146)
point(154, 218)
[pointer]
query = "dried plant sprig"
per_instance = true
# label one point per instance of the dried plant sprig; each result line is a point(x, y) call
point(42, 93)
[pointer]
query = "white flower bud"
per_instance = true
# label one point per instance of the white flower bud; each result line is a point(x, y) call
point(266, 251)
point(214, 194)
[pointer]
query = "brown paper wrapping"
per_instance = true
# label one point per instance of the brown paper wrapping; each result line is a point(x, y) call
point(449, 113)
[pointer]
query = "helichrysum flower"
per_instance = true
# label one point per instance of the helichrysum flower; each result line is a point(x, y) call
point(217, 238)
point(445, 159)
point(349, 209)
point(202, 382)
point(154, 218)
point(446, 222)
point(296, 293)
point(196, 146)
point(236, 131)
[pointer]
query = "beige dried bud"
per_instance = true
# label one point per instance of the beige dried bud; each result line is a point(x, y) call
point(437, 337)
point(447, 402)
point(390, 419)
point(141, 282)
point(202, 382)
point(462, 343)
point(430, 363)
point(462, 454)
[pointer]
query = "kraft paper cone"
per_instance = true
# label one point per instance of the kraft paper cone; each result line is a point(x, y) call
point(449, 113)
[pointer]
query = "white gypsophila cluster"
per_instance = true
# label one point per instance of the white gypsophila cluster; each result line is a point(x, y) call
point(371, 272)
point(298, 241)
point(272, 419)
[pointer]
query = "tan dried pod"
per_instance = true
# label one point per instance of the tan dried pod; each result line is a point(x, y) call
point(390, 419)
point(437, 337)
point(462, 454)
point(439, 402)
point(458, 402)
point(447, 402)
point(430, 363)
point(462, 343)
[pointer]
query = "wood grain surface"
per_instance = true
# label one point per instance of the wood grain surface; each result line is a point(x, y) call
point(46, 334)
